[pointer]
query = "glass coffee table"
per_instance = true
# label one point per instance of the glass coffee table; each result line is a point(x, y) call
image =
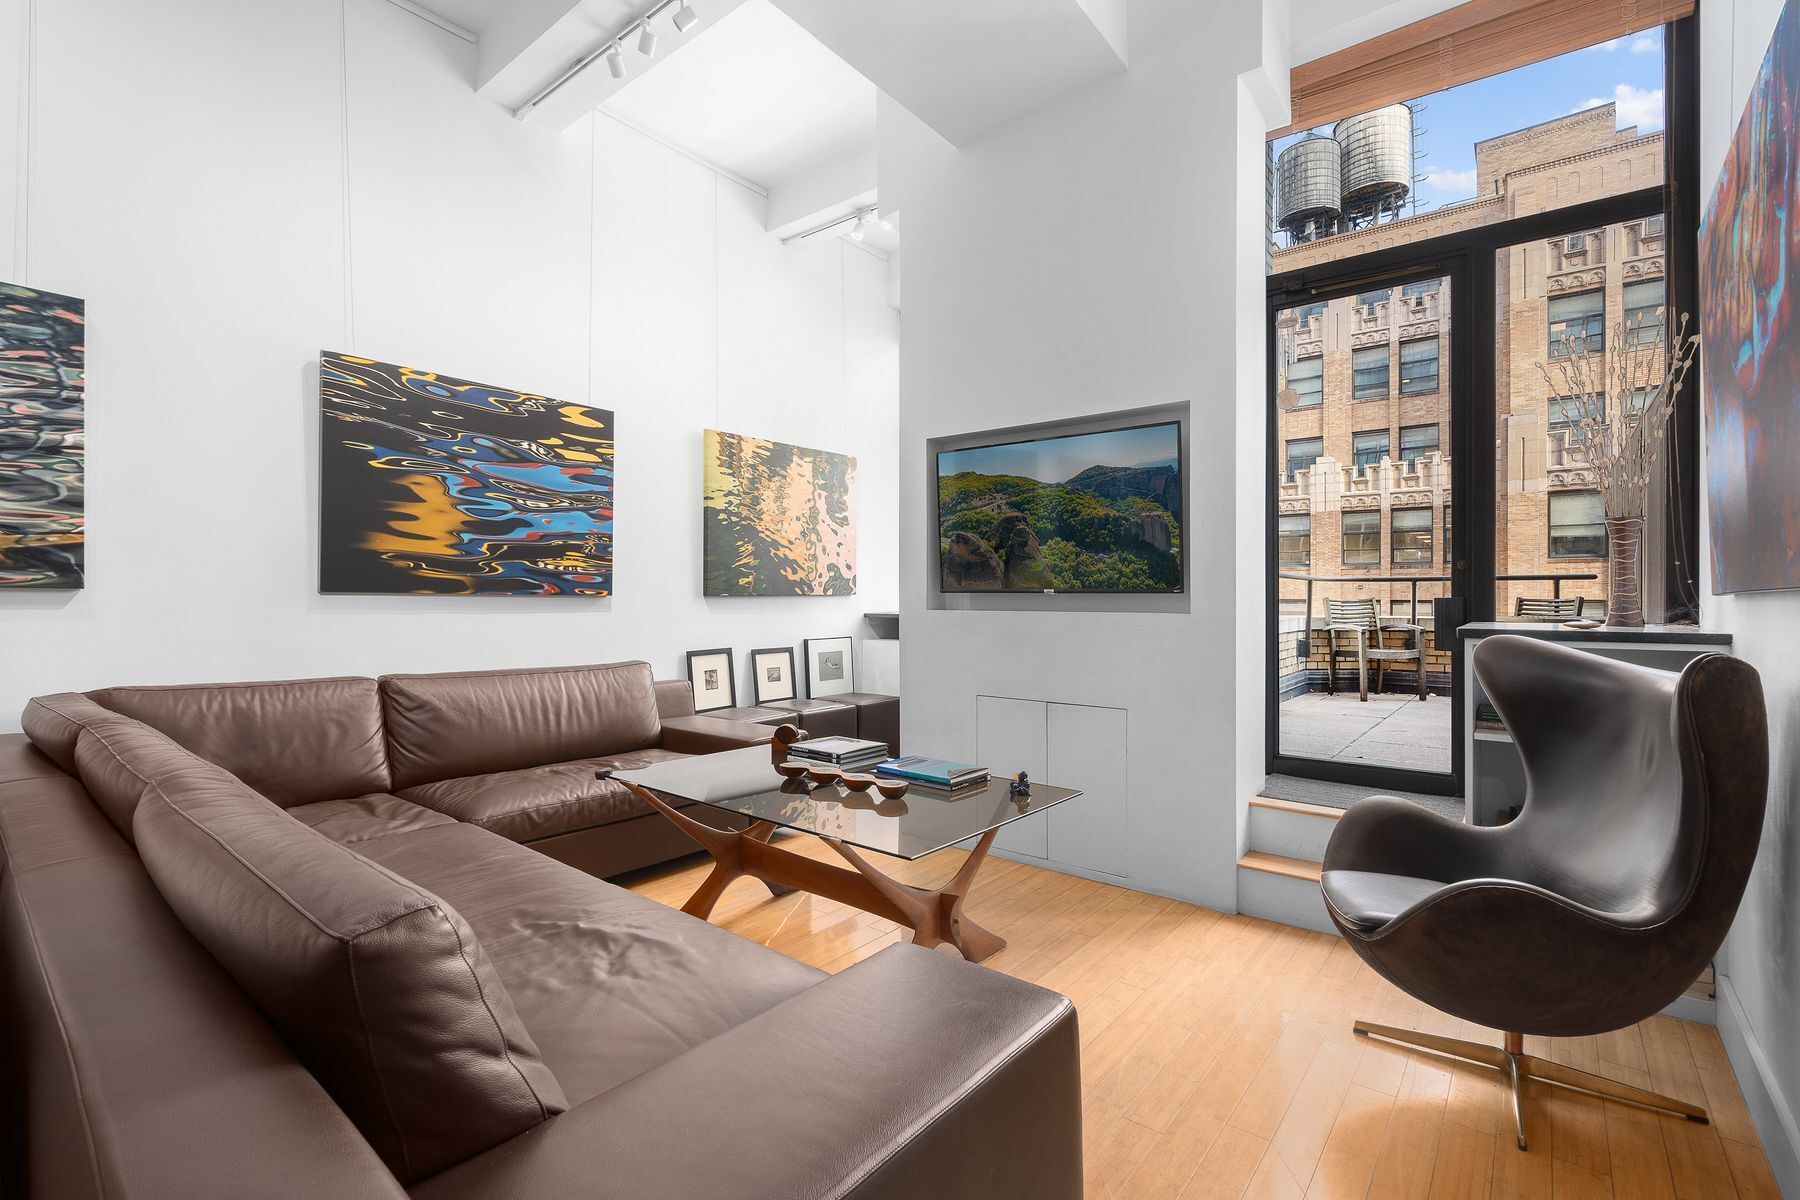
point(924, 820)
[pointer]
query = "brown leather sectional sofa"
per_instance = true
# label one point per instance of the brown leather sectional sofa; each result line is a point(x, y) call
point(324, 938)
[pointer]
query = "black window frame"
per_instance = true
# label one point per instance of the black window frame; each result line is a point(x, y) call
point(1394, 532)
point(1344, 537)
point(1300, 397)
point(1639, 330)
point(1550, 525)
point(1556, 340)
point(1437, 366)
point(1288, 469)
point(1437, 442)
point(1282, 536)
point(1357, 453)
point(1357, 386)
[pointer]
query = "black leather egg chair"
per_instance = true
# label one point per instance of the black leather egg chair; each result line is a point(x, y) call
point(1608, 894)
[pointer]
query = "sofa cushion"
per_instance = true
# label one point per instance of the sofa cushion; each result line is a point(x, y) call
point(110, 755)
point(379, 986)
point(610, 983)
point(540, 802)
point(295, 741)
point(483, 722)
point(348, 822)
point(674, 698)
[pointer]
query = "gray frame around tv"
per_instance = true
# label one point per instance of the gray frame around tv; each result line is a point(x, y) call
point(1166, 602)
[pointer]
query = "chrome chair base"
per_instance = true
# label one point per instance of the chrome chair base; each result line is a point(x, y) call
point(1512, 1061)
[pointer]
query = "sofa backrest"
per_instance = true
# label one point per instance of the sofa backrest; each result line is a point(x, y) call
point(295, 741)
point(477, 722)
point(137, 1066)
point(674, 698)
point(379, 986)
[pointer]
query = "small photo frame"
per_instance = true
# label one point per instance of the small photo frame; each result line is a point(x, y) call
point(829, 669)
point(710, 673)
point(772, 671)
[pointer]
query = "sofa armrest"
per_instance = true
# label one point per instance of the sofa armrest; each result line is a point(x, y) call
point(708, 735)
point(910, 1074)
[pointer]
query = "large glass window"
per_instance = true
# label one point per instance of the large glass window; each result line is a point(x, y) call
point(1294, 540)
point(1419, 367)
point(1307, 378)
point(1577, 323)
point(1412, 536)
point(1577, 525)
point(1369, 373)
point(1362, 538)
point(1302, 452)
point(1416, 442)
point(1643, 312)
point(1369, 447)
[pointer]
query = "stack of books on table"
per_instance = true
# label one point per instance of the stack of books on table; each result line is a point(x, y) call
point(844, 753)
point(934, 772)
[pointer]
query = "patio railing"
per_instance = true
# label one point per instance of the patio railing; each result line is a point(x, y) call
point(1555, 580)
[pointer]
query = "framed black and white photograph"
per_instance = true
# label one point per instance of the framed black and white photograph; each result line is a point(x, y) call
point(772, 671)
point(710, 673)
point(828, 667)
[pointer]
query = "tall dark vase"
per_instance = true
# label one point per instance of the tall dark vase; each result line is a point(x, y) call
point(1624, 574)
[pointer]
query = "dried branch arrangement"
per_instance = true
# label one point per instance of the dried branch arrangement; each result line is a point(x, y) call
point(1624, 442)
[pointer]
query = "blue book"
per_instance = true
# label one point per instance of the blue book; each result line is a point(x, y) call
point(935, 771)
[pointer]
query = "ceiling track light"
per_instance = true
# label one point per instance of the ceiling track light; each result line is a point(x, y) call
point(612, 50)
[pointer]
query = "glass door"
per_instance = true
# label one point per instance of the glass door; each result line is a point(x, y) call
point(1364, 411)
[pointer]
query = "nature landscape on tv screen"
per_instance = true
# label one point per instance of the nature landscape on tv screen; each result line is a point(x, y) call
point(1091, 512)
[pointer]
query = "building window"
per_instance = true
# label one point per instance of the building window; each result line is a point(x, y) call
point(1423, 287)
point(1446, 533)
point(1307, 378)
point(1369, 373)
point(1362, 538)
point(1412, 535)
point(1566, 411)
point(1578, 322)
point(1416, 442)
point(1577, 525)
point(1294, 540)
point(1307, 312)
point(1369, 447)
point(1643, 312)
point(1635, 402)
point(1371, 299)
point(1418, 367)
point(1302, 452)
point(1653, 225)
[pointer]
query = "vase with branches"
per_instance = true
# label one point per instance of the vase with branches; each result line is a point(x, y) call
point(1624, 444)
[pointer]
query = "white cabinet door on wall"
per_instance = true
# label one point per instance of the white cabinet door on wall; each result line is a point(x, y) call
point(1012, 736)
point(1087, 751)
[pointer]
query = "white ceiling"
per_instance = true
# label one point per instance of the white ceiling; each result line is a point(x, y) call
point(757, 95)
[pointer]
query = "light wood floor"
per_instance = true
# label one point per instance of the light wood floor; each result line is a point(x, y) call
point(1217, 1057)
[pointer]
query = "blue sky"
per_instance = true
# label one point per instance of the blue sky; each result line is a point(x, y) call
point(1056, 459)
point(1627, 70)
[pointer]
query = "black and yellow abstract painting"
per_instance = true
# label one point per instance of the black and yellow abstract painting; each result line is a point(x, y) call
point(43, 361)
point(780, 520)
point(439, 486)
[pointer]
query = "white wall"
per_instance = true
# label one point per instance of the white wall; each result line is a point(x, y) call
point(1760, 968)
point(233, 187)
point(1077, 262)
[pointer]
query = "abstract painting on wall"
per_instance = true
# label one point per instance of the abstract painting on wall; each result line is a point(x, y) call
point(43, 352)
point(1750, 333)
point(780, 520)
point(435, 485)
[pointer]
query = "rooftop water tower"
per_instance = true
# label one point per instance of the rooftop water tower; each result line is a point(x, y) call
point(1377, 169)
point(1310, 190)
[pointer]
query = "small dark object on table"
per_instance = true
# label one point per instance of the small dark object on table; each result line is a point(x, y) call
point(1020, 785)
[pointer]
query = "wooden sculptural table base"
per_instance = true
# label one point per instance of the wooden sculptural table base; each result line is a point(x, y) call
point(934, 915)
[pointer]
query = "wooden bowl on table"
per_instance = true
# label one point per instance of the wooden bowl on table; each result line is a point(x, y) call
point(893, 789)
point(858, 783)
point(821, 773)
point(790, 769)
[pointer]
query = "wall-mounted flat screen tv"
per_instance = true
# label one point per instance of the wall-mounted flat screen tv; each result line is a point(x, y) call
point(1080, 512)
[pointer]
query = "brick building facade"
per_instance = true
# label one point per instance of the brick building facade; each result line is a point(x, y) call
point(1362, 447)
